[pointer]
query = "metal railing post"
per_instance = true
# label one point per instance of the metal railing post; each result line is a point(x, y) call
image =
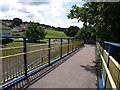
point(68, 45)
point(25, 56)
point(108, 61)
point(49, 46)
point(61, 48)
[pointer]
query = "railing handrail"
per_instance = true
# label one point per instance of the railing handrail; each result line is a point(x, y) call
point(106, 60)
point(33, 37)
point(110, 43)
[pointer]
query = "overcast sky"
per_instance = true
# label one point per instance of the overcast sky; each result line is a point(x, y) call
point(49, 12)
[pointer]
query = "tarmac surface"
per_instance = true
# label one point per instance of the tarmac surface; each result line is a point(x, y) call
point(77, 72)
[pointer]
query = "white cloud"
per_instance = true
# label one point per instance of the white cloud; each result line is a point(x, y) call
point(64, 23)
point(38, 11)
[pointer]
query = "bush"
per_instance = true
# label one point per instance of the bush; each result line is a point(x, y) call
point(35, 31)
point(7, 40)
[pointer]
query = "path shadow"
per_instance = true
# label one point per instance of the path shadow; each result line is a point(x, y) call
point(89, 68)
point(93, 70)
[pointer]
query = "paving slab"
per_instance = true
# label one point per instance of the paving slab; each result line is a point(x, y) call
point(77, 72)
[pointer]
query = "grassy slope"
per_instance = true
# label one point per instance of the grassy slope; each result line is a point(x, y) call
point(50, 34)
point(55, 34)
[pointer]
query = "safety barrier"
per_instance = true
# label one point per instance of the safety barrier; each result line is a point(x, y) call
point(18, 63)
point(109, 67)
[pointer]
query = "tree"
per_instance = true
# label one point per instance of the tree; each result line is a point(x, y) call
point(71, 31)
point(85, 33)
point(16, 22)
point(35, 32)
point(103, 18)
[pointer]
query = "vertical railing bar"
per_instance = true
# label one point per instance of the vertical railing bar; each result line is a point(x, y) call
point(72, 44)
point(68, 45)
point(49, 46)
point(13, 64)
point(77, 43)
point(18, 66)
point(7, 69)
point(61, 48)
point(25, 56)
point(108, 61)
point(102, 48)
point(3, 75)
point(10, 69)
point(102, 54)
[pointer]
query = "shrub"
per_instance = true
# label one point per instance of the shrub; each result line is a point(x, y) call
point(6, 40)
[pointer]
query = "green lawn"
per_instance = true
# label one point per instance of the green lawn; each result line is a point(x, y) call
point(55, 34)
point(50, 34)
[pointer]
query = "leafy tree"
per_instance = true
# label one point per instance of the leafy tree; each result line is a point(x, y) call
point(35, 32)
point(16, 22)
point(85, 33)
point(103, 18)
point(71, 31)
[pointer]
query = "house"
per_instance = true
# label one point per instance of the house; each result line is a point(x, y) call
point(5, 31)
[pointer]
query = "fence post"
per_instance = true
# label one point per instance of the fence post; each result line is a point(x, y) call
point(68, 45)
point(49, 46)
point(108, 61)
point(25, 56)
point(61, 48)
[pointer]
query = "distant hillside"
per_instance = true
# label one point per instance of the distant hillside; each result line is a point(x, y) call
point(8, 23)
point(50, 34)
point(55, 34)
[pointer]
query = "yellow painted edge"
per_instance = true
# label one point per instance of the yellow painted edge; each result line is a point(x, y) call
point(115, 62)
point(11, 55)
point(108, 73)
point(12, 48)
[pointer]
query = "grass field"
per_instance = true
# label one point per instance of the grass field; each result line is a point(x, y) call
point(55, 34)
point(50, 34)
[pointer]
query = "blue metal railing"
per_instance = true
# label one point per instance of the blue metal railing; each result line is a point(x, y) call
point(110, 51)
point(70, 46)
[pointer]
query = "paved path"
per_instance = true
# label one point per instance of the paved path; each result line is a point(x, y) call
point(77, 72)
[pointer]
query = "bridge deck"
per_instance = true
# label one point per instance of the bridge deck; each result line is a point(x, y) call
point(77, 72)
